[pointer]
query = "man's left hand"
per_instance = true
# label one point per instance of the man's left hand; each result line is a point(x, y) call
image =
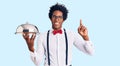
point(82, 30)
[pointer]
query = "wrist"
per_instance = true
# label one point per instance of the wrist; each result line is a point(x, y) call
point(31, 49)
point(86, 38)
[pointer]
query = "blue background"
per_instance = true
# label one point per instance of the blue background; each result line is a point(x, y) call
point(101, 17)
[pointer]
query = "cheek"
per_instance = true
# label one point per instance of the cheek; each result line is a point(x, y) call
point(62, 21)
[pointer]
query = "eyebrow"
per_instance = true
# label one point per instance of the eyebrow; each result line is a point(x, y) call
point(56, 15)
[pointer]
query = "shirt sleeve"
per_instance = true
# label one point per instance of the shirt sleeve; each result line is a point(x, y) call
point(38, 54)
point(85, 46)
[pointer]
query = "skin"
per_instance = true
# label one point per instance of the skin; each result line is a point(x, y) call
point(29, 41)
point(82, 30)
point(57, 21)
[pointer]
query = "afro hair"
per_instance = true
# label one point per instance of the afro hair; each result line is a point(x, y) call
point(59, 7)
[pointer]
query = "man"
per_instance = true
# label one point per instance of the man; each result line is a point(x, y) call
point(56, 44)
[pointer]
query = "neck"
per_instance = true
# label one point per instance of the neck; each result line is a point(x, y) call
point(56, 29)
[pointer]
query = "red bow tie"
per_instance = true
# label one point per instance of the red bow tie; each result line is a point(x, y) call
point(57, 31)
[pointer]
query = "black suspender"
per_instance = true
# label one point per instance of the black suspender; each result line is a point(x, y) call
point(66, 47)
point(48, 47)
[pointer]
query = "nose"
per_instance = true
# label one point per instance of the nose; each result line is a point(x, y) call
point(56, 19)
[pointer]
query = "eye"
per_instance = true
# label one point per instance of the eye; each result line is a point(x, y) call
point(59, 17)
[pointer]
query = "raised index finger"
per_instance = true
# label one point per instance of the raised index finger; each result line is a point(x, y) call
point(81, 22)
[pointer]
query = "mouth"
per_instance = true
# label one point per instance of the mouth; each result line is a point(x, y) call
point(56, 23)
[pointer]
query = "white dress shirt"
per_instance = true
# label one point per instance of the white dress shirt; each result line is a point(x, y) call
point(57, 48)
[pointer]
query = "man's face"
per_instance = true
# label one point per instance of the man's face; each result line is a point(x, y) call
point(57, 20)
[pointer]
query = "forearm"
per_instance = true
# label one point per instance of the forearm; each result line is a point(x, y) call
point(89, 48)
point(85, 46)
point(34, 58)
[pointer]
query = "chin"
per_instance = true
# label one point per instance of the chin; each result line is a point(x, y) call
point(56, 28)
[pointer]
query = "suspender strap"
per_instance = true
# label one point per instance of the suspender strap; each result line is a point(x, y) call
point(48, 47)
point(66, 47)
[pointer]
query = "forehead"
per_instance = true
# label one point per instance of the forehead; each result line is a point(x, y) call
point(57, 12)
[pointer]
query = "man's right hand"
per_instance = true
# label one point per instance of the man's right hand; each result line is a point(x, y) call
point(29, 40)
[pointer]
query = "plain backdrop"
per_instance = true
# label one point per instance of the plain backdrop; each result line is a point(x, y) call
point(101, 17)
